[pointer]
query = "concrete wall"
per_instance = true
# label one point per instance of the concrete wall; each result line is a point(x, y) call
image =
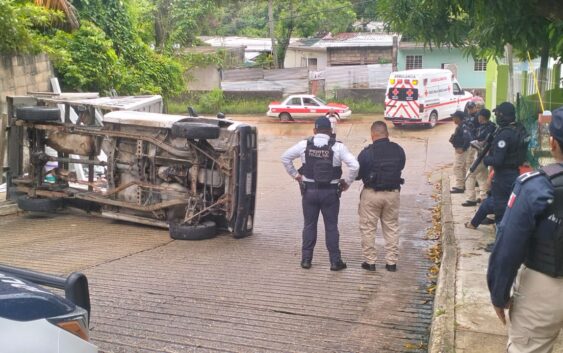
point(22, 74)
point(203, 79)
point(294, 58)
point(433, 59)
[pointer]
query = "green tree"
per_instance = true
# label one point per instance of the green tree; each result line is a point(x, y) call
point(305, 18)
point(21, 23)
point(177, 23)
point(484, 27)
point(366, 10)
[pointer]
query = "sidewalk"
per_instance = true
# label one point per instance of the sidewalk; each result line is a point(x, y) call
point(476, 326)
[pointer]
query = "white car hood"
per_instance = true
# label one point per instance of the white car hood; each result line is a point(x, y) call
point(40, 336)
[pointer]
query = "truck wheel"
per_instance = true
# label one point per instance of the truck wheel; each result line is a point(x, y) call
point(35, 204)
point(432, 120)
point(193, 130)
point(202, 231)
point(285, 117)
point(36, 113)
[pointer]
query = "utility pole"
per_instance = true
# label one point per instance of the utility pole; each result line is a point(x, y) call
point(510, 58)
point(271, 24)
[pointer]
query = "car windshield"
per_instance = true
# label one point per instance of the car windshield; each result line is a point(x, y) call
point(320, 100)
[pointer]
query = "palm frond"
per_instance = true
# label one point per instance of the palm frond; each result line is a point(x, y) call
point(66, 7)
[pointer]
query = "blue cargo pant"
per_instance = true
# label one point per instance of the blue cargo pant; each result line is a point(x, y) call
point(486, 208)
point(503, 182)
point(321, 199)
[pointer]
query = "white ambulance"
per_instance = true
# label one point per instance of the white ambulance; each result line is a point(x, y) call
point(423, 96)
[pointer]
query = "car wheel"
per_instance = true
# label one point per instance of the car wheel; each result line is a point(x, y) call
point(193, 130)
point(432, 120)
point(202, 231)
point(286, 117)
point(36, 113)
point(35, 204)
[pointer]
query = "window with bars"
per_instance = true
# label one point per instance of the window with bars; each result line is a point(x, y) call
point(480, 65)
point(414, 62)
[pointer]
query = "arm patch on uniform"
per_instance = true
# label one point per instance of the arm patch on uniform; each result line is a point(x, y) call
point(511, 200)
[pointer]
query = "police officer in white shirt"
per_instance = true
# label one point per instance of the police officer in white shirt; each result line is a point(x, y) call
point(321, 184)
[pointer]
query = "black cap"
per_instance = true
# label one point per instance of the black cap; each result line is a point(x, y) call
point(323, 123)
point(471, 105)
point(506, 109)
point(486, 113)
point(556, 125)
point(458, 114)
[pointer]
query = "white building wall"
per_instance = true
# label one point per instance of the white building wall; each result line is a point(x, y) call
point(294, 58)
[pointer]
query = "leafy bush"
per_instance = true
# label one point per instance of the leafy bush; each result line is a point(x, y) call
point(85, 59)
point(19, 24)
point(212, 101)
point(139, 70)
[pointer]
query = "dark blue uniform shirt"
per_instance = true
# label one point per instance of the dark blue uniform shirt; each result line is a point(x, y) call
point(526, 208)
point(504, 142)
point(485, 130)
point(462, 136)
point(471, 121)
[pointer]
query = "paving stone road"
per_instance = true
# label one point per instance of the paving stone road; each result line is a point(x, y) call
point(152, 294)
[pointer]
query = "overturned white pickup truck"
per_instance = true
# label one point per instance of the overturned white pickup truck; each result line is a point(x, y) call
point(193, 175)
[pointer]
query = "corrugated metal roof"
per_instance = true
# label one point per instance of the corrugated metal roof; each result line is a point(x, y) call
point(360, 39)
point(251, 44)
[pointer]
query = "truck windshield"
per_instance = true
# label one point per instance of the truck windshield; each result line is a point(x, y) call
point(403, 94)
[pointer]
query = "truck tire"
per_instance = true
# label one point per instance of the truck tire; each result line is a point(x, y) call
point(195, 131)
point(202, 231)
point(36, 204)
point(36, 113)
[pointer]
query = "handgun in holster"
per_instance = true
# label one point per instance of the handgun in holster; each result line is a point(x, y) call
point(302, 187)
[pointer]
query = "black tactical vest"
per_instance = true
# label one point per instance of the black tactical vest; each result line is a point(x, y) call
point(318, 163)
point(545, 253)
point(517, 153)
point(385, 173)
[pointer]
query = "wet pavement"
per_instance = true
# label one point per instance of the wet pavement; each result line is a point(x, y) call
point(152, 294)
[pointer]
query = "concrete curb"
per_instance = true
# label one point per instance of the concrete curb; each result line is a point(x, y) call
point(442, 331)
point(8, 208)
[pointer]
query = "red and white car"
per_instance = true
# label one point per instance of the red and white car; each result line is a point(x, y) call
point(305, 106)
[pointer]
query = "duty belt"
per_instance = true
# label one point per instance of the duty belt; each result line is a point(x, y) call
point(384, 189)
point(309, 184)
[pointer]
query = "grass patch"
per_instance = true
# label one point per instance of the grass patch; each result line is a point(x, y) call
point(214, 101)
point(363, 106)
point(246, 106)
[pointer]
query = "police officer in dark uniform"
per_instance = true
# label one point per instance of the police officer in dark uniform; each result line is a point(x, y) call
point(320, 179)
point(531, 234)
point(381, 164)
point(505, 156)
point(471, 117)
point(460, 140)
point(480, 175)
